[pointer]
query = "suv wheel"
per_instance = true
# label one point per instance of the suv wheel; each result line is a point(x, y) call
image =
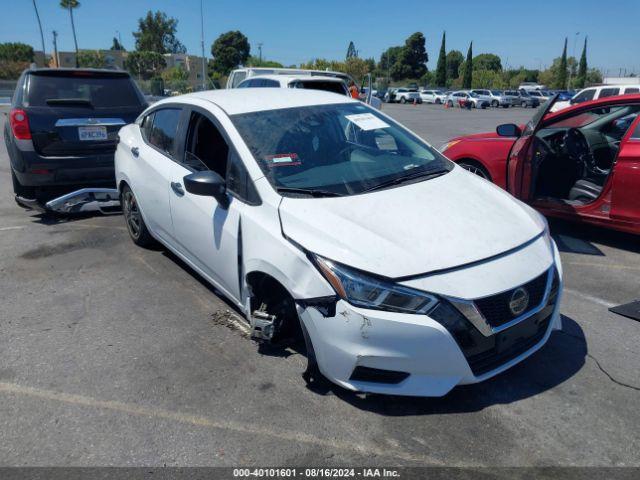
point(403, 100)
point(494, 103)
point(136, 227)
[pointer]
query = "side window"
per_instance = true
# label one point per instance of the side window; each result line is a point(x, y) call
point(237, 78)
point(629, 91)
point(584, 96)
point(238, 181)
point(206, 148)
point(245, 84)
point(145, 126)
point(609, 92)
point(164, 129)
point(270, 83)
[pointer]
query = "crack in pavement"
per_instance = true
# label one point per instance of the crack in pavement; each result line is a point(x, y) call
point(597, 362)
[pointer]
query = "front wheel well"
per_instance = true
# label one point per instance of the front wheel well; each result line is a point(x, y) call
point(471, 162)
point(269, 295)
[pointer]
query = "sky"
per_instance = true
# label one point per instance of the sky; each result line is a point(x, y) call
point(529, 34)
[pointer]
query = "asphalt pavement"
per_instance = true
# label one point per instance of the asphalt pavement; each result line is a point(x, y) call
point(115, 355)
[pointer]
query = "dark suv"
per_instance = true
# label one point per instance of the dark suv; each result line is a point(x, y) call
point(63, 127)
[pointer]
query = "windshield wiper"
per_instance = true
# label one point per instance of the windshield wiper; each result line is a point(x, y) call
point(308, 191)
point(68, 101)
point(407, 178)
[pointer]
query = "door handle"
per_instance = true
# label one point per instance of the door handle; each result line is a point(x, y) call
point(177, 188)
point(135, 151)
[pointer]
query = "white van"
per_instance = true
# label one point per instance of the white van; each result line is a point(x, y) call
point(593, 93)
point(240, 74)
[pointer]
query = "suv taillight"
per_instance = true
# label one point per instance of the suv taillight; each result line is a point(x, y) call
point(19, 124)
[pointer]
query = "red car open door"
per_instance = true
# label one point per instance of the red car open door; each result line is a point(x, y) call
point(625, 197)
point(519, 161)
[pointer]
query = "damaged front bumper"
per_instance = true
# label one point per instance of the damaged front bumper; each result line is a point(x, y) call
point(85, 200)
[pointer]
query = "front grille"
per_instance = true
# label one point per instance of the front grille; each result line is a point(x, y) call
point(485, 354)
point(495, 309)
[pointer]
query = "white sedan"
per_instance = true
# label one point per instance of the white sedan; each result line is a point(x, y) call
point(326, 222)
point(433, 96)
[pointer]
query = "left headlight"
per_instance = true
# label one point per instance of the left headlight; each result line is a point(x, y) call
point(447, 145)
point(367, 291)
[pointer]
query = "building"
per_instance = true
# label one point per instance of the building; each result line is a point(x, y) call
point(621, 81)
point(190, 63)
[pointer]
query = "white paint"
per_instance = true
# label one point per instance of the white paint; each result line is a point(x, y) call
point(367, 121)
point(447, 222)
point(590, 298)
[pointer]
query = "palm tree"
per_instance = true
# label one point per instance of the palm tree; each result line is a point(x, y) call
point(70, 5)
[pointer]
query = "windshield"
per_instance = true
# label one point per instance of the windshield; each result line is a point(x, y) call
point(496, 92)
point(342, 149)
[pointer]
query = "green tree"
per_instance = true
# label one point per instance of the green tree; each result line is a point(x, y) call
point(356, 67)
point(594, 76)
point(388, 58)
point(230, 50)
point(414, 56)
point(441, 68)
point(487, 61)
point(70, 5)
point(454, 60)
point(467, 77)
point(16, 52)
point(581, 78)
point(145, 64)
point(256, 62)
point(116, 45)
point(561, 74)
point(176, 78)
point(157, 33)
point(90, 59)
point(351, 51)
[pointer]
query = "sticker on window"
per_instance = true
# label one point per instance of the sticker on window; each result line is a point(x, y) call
point(283, 160)
point(367, 121)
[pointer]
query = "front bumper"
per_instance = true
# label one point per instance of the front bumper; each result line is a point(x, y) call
point(423, 355)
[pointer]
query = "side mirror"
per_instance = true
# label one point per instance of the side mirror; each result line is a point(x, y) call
point(508, 130)
point(207, 184)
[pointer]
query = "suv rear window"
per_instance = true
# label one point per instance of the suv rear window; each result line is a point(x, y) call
point(96, 91)
point(335, 87)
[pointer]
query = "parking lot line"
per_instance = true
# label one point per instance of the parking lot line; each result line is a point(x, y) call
point(208, 422)
point(590, 298)
point(602, 265)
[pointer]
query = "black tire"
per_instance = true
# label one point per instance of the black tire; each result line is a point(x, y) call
point(475, 167)
point(438, 101)
point(523, 104)
point(450, 103)
point(505, 106)
point(403, 100)
point(136, 227)
point(495, 104)
point(19, 189)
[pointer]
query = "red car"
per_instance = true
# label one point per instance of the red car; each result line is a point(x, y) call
point(581, 163)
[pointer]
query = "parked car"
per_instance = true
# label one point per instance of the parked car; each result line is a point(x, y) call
point(330, 222)
point(541, 95)
point(390, 95)
point(432, 96)
point(496, 98)
point(529, 86)
point(593, 93)
point(407, 95)
point(459, 98)
point(328, 84)
point(63, 128)
point(522, 98)
point(581, 163)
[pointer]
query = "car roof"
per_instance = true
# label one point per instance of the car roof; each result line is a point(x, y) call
point(306, 78)
point(629, 98)
point(245, 100)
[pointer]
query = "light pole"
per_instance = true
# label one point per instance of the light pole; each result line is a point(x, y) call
point(204, 60)
point(55, 49)
point(35, 7)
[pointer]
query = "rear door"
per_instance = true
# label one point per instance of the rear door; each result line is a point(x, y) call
point(75, 113)
point(519, 160)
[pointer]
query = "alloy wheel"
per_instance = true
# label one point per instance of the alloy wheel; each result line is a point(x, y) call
point(131, 213)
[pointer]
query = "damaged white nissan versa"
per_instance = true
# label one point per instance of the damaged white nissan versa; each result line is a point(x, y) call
point(325, 220)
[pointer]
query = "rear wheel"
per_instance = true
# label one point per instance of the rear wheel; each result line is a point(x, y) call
point(19, 189)
point(523, 104)
point(403, 100)
point(494, 103)
point(138, 230)
point(438, 101)
point(475, 167)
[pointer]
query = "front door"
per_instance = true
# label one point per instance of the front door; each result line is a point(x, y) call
point(625, 197)
point(204, 231)
point(519, 162)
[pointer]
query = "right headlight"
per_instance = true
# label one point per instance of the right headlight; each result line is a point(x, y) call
point(368, 291)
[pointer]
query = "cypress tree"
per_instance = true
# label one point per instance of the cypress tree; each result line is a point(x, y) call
point(582, 67)
point(561, 78)
point(441, 68)
point(467, 76)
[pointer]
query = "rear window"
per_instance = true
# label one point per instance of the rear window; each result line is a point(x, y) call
point(609, 92)
point(335, 87)
point(98, 92)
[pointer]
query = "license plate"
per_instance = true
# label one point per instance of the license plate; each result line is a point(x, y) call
point(89, 134)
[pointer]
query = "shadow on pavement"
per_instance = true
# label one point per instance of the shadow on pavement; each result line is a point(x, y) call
point(583, 236)
point(561, 358)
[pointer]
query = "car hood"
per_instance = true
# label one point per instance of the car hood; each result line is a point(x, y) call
point(436, 224)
